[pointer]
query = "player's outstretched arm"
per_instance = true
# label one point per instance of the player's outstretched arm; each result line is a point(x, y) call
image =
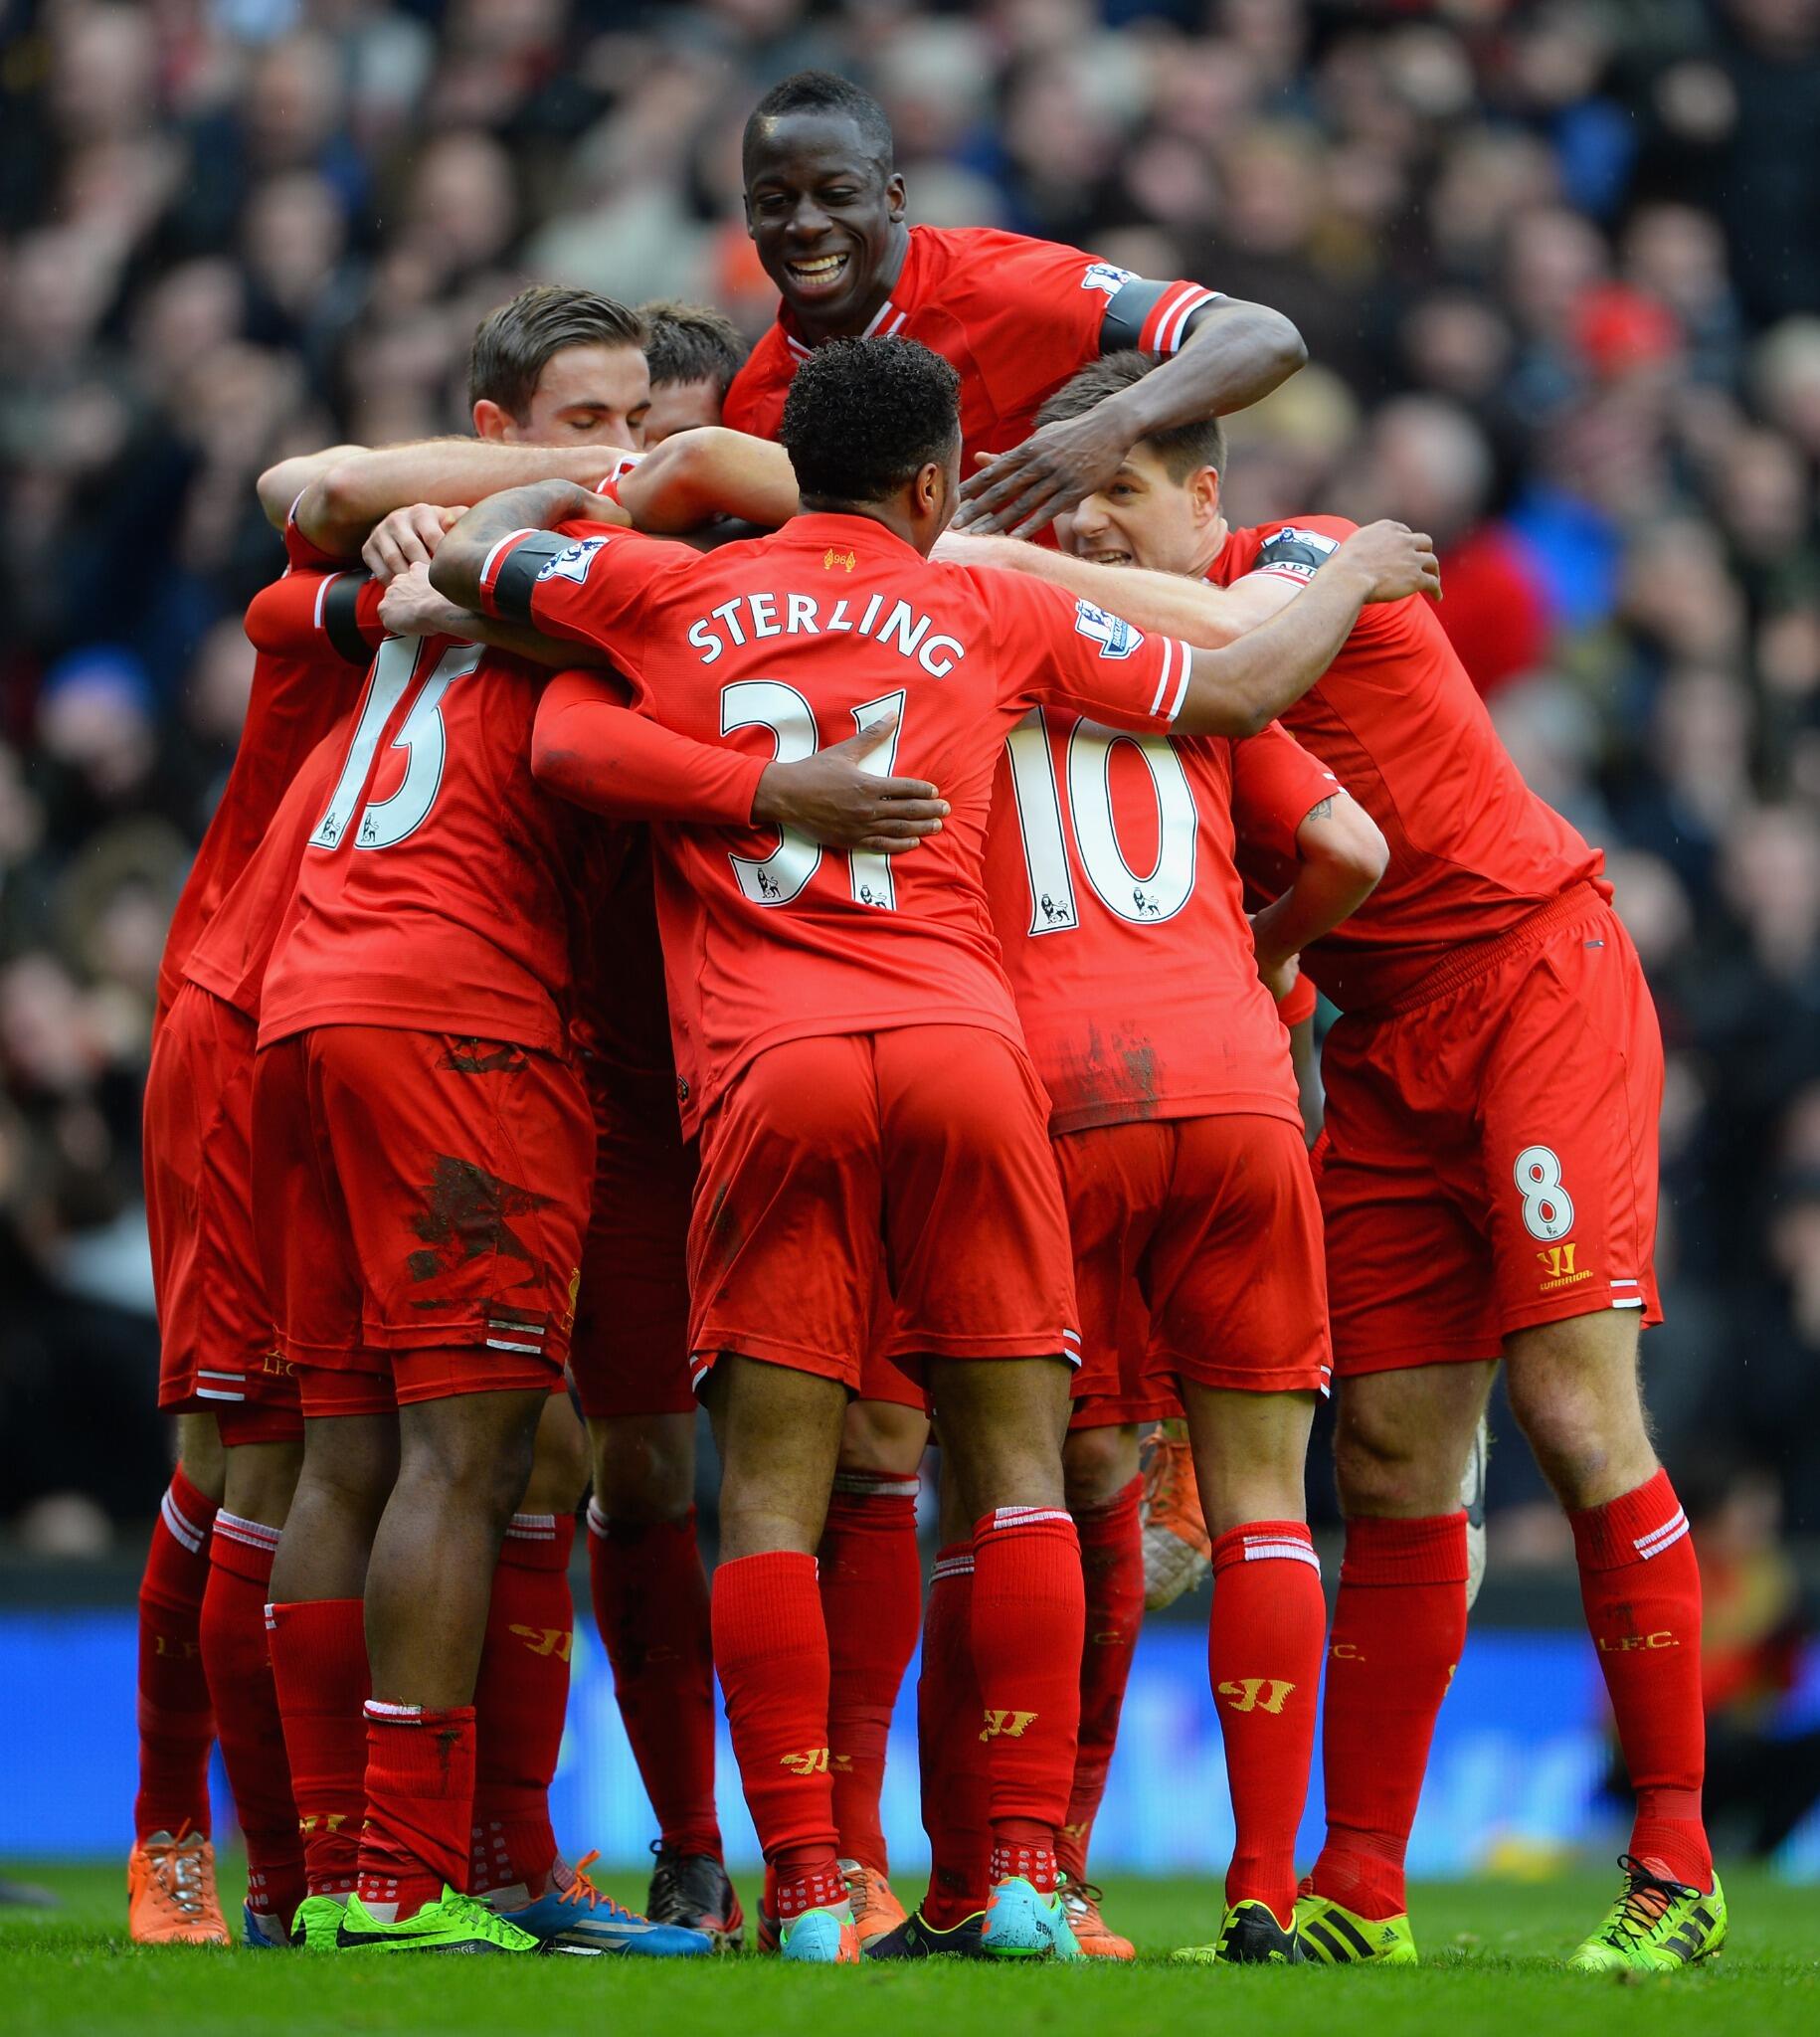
point(411, 606)
point(1340, 856)
point(706, 473)
point(280, 484)
point(460, 559)
point(341, 505)
point(1236, 353)
point(1241, 687)
point(1194, 610)
point(588, 747)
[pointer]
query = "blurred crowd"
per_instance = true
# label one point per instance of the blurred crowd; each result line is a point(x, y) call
point(1559, 269)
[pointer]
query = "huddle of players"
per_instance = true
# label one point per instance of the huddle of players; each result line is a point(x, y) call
point(961, 1092)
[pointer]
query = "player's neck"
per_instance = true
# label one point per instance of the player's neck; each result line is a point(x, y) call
point(888, 515)
point(855, 326)
point(1216, 544)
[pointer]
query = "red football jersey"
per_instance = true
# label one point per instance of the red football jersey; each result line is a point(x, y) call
point(438, 887)
point(1398, 722)
point(231, 953)
point(785, 643)
point(313, 632)
point(1015, 317)
point(1109, 865)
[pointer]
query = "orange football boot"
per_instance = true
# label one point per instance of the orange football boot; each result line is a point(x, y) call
point(170, 1891)
point(876, 1910)
point(1095, 1936)
point(1178, 1551)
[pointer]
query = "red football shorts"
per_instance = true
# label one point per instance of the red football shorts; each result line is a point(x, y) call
point(921, 1150)
point(1210, 1224)
point(218, 1350)
point(630, 1354)
point(1490, 1155)
point(421, 1205)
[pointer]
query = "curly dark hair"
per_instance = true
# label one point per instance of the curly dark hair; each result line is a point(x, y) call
point(863, 415)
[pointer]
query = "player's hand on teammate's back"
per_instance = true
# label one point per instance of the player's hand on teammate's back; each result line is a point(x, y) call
point(408, 537)
point(1396, 560)
point(831, 798)
point(1051, 473)
point(411, 606)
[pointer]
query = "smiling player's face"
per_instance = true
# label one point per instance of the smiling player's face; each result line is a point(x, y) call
point(825, 218)
point(1144, 517)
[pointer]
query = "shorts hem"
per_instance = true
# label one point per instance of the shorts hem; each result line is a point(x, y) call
point(1220, 1379)
point(1565, 1308)
point(1480, 1351)
point(1115, 1410)
point(716, 1345)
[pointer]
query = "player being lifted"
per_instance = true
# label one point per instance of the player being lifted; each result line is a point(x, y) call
point(1015, 317)
point(1488, 1184)
point(868, 1103)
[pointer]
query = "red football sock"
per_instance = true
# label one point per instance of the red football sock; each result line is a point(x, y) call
point(1640, 1585)
point(650, 1602)
point(1029, 1621)
point(521, 1699)
point(420, 1789)
point(956, 1769)
point(1264, 1660)
point(872, 1602)
point(176, 1721)
point(1397, 1634)
point(320, 1667)
point(237, 1659)
point(771, 1648)
point(1112, 1565)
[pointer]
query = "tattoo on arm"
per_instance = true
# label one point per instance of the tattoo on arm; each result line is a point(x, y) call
point(1322, 809)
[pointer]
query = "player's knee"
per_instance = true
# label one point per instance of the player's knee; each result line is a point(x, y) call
point(1097, 1464)
point(1381, 1470)
point(880, 1435)
point(261, 1480)
point(349, 1469)
point(1586, 1447)
point(643, 1467)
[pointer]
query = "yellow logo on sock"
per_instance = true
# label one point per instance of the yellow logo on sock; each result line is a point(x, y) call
point(1006, 1725)
point(1257, 1694)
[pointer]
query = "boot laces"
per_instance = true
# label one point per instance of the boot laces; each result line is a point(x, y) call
point(1645, 1902)
point(178, 1868)
point(582, 1891)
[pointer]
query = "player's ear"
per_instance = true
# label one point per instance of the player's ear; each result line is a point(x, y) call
point(1203, 486)
point(896, 199)
point(491, 422)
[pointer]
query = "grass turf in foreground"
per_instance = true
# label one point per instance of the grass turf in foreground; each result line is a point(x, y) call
point(1489, 1950)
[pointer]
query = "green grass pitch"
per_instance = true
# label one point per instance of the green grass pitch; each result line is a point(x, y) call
point(1490, 1952)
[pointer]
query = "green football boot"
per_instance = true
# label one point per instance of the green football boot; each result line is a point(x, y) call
point(456, 1923)
point(1334, 1936)
point(1250, 1937)
point(1657, 1925)
point(318, 1920)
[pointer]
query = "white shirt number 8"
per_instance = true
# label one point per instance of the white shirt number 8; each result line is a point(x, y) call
point(1547, 1208)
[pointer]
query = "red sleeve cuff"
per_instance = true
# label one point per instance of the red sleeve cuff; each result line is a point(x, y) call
point(1298, 1003)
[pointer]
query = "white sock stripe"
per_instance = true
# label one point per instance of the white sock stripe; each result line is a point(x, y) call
point(1026, 1517)
point(182, 1529)
point(1282, 1552)
point(376, 1708)
point(596, 1521)
point(866, 1485)
point(255, 1534)
point(1659, 1539)
point(532, 1528)
point(271, 1616)
point(955, 1567)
